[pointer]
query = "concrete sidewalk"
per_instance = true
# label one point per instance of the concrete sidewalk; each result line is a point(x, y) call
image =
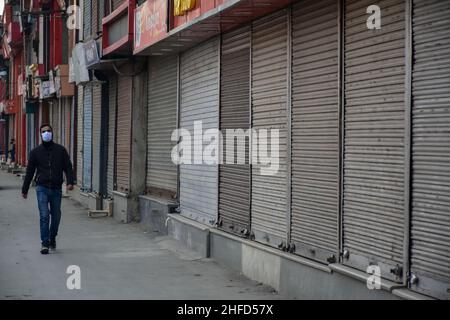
point(117, 261)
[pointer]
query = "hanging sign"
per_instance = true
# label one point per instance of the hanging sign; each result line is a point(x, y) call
point(150, 23)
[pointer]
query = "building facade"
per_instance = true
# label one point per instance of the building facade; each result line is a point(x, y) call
point(358, 93)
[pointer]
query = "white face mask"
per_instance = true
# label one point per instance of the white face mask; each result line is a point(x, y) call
point(47, 136)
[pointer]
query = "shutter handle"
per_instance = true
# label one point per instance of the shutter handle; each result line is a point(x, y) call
point(397, 270)
point(346, 254)
point(413, 279)
point(331, 259)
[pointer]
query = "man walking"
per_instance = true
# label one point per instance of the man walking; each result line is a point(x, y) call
point(49, 160)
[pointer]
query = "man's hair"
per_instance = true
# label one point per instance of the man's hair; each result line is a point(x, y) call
point(45, 125)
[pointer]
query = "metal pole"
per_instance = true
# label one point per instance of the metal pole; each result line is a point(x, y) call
point(289, 128)
point(219, 141)
point(250, 138)
point(408, 93)
point(341, 107)
point(178, 123)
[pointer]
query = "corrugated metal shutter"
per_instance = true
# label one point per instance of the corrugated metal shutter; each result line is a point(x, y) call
point(123, 139)
point(95, 16)
point(31, 133)
point(315, 129)
point(269, 96)
point(374, 153)
point(72, 137)
point(117, 3)
point(162, 120)
point(430, 233)
point(234, 178)
point(87, 139)
point(200, 102)
point(79, 152)
point(101, 15)
point(111, 135)
point(62, 121)
point(68, 122)
point(96, 132)
point(55, 121)
point(87, 18)
point(3, 138)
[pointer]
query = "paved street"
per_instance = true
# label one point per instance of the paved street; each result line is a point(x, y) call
point(116, 261)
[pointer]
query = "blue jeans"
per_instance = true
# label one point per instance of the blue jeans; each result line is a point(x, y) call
point(49, 203)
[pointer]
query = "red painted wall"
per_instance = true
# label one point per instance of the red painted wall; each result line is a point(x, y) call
point(56, 29)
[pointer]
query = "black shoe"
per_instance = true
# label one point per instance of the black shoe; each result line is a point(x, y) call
point(52, 245)
point(44, 250)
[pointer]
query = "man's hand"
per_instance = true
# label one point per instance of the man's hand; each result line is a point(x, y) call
point(69, 187)
point(24, 195)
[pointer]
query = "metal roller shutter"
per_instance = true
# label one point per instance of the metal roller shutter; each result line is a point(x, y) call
point(234, 178)
point(62, 122)
point(123, 138)
point(68, 122)
point(111, 135)
point(374, 138)
point(3, 138)
point(87, 139)
point(96, 132)
point(54, 107)
point(430, 232)
point(31, 139)
point(79, 151)
point(200, 102)
point(101, 14)
point(94, 16)
point(315, 129)
point(269, 111)
point(72, 137)
point(87, 18)
point(162, 120)
point(117, 3)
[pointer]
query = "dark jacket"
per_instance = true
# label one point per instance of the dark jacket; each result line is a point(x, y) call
point(50, 160)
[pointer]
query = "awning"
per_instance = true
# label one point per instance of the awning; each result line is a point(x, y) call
point(231, 14)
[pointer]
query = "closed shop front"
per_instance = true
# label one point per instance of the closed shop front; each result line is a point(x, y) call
point(87, 18)
point(162, 121)
point(31, 133)
point(315, 129)
point(63, 125)
point(199, 80)
point(430, 230)
point(79, 151)
point(55, 120)
point(64, 105)
point(111, 135)
point(116, 3)
point(269, 112)
point(11, 130)
point(3, 138)
point(123, 138)
point(374, 139)
point(68, 124)
point(234, 178)
point(87, 139)
point(96, 134)
point(73, 130)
